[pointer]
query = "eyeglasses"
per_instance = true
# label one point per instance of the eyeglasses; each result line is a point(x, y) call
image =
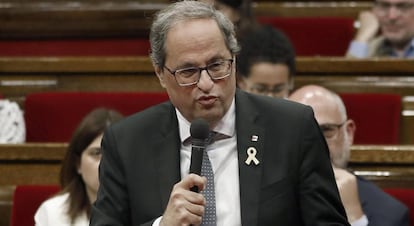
point(330, 130)
point(276, 91)
point(191, 75)
point(384, 7)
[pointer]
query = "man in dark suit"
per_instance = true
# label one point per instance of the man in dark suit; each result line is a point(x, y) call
point(273, 168)
point(364, 202)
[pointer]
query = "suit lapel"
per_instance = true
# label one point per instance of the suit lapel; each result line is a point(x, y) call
point(167, 148)
point(249, 135)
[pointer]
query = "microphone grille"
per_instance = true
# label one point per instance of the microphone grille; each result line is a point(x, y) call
point(199, 129)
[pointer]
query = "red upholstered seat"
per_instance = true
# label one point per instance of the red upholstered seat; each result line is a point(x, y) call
point(53, 116)
point(75, 47)
point(315, 36)
point(406, 196)
point(377, 117)
point(26, 200)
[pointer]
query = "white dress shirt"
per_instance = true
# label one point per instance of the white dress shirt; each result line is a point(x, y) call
point(53, 212)
point(224, 161)
point(363, 221)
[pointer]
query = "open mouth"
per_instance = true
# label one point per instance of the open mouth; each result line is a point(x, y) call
point(207, 101)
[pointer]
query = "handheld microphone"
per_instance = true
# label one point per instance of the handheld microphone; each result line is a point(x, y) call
point(199, 131)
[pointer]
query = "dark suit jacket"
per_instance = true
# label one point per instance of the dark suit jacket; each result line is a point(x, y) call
point(292, 186)
point(380, 208)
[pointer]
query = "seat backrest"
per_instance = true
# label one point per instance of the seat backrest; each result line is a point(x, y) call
point(53, 116)
point(315, 36)
point(406, 196)
point(26, 200)
point(377, 117)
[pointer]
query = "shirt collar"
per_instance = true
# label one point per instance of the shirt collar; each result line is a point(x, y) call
point(225, 126)
point(387, 49)
point(410, 52)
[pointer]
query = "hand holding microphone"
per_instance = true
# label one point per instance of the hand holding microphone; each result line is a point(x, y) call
point(186, 206)
point(199, 131)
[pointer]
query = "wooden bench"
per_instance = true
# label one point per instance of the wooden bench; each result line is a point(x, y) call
point(39, 163)
point(388, 166)
point(22, 75)
point(30, 163)
point(128, 18)
point(27, 164)
point(28, 28)
point(371, 76)
point(349, 9)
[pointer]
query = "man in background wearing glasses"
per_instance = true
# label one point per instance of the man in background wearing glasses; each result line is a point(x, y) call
point(266, 62)
point(364, 202)
point(385, 31)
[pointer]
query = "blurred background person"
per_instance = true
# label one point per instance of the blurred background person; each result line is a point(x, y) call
point(386, 31)
point(364, 202)
point(240, 12)
point(266, 63)
point(79, 173)
point(12, 125)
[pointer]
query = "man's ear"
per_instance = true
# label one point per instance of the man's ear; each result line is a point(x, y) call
point(350, 129)
point(160, 74)
point(291, 84)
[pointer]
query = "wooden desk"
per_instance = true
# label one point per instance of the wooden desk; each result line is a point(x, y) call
point(39, 163)
point(30, 163)
point(350, 75)
point(34, 163)
point(387, 166)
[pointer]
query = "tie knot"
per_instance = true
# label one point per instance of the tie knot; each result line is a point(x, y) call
point(212, 137)
point(215, 136)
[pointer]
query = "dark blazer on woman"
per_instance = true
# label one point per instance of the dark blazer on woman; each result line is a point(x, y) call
point(293, 185)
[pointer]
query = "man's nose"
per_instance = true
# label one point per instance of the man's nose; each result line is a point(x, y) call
point(393, 12)
point(205, 82)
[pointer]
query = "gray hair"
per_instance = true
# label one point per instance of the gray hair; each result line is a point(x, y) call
point(187, 10)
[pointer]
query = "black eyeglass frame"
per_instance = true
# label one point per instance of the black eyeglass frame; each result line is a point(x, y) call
point(200, 69)
point(331, 126)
